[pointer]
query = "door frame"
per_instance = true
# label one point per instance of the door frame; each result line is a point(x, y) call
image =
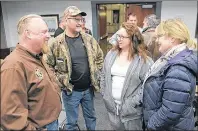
point(158, 6)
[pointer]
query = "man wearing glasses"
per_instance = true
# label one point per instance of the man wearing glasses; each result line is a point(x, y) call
point(77, 59)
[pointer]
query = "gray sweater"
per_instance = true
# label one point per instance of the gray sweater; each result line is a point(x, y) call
point(130, 107)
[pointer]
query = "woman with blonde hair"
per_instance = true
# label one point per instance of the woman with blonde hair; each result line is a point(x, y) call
point(122, 76)
point(169, 86)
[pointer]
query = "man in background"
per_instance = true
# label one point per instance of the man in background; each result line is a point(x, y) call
point(131, 18)
point(149, 25)
point(84, 29)
point(61, 27)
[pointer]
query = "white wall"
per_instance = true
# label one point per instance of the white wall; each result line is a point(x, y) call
point(3, 37)
point(186, 10)
point(12, 11)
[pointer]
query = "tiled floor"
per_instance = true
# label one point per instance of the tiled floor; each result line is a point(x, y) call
point(101, 115)
point(102, 122)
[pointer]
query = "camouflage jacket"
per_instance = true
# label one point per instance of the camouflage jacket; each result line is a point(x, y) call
point(59, 59)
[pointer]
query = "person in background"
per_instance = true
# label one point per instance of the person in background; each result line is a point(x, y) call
point(61, 27)
point(84, 29)
point(30, 96)
point(131, 18)
point(169, 86)
point(122, 76)
point(77, 59)
point(149, 24)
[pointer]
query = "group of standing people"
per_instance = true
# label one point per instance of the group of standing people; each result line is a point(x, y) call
point(156, 86)
point(140, 90)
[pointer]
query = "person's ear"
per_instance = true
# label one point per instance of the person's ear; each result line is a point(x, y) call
point(172, 40)
point(28, 34)
point(65, 19)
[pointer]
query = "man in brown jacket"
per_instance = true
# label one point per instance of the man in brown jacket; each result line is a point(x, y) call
point(30, 96)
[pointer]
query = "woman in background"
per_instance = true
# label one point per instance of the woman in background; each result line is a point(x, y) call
point(169, 86)
point(123, 74)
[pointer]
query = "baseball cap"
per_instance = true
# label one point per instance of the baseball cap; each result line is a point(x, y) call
point(73, 11)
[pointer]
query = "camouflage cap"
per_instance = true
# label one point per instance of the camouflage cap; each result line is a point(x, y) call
point(73, 11)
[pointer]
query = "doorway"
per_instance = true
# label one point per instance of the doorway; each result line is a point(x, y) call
point(110, 16)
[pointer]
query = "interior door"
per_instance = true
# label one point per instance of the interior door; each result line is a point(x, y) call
point(102, 26)
point(102, 20)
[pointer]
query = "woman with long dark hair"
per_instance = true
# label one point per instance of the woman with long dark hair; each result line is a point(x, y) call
point(122, 76)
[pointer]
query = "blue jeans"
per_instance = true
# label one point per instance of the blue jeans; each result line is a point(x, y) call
point(53, 125)
point(71, 104)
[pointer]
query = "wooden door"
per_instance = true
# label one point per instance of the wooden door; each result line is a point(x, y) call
point(139, 11)
point(102, 28)
point(102, 14)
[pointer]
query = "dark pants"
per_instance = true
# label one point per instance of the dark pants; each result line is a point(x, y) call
point(71, 104)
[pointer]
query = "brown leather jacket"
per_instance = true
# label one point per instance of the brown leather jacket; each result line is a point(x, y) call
point(30, 96)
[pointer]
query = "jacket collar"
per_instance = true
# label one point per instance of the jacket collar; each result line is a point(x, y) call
point(180, 56)
point(84, 37)
point(36, 56)
point(148, 29)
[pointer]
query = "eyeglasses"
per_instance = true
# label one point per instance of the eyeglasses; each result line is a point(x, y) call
point(76, 19)
point(121, 37)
